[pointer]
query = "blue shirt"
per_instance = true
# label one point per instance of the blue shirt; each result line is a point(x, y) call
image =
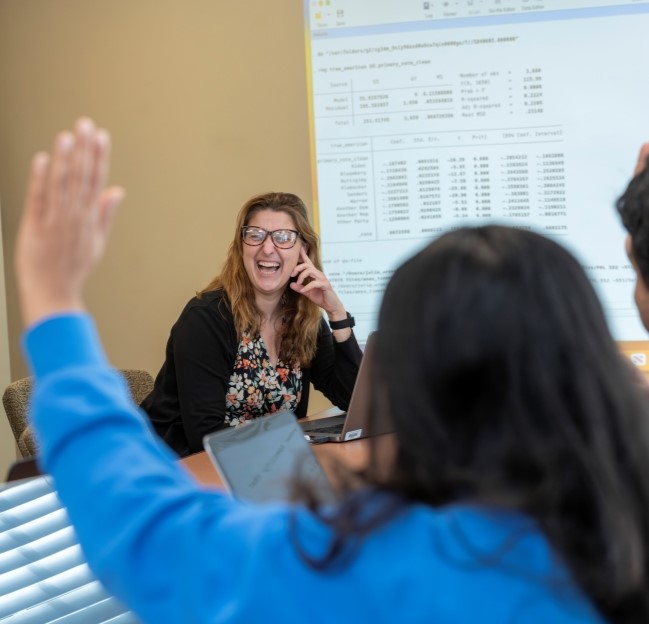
point(174, 551)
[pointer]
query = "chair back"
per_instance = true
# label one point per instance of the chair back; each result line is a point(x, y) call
point(140, 383)
point(16, 399)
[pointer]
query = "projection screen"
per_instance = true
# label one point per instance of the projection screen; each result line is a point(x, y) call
point(431, 115)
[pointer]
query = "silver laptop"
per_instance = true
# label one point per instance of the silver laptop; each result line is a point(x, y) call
point(353, 424)
point(259, 460)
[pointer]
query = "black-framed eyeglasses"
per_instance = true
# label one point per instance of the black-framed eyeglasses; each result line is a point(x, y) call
point(282, 239)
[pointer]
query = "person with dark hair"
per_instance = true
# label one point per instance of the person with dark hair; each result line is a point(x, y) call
point(529, 407)
point(633, 207)
point(515, 489)
point(253, 339)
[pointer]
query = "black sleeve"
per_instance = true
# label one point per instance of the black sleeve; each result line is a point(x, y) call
point(335, 366)
point(204, 344)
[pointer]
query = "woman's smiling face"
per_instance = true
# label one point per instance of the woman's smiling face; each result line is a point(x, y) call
point(269, 268)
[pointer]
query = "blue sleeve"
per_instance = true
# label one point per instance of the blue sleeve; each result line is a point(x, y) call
point(175, 552)
point(158, 541)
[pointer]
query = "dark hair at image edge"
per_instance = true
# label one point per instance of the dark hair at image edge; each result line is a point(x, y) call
point(633, 207)
point(495, 365)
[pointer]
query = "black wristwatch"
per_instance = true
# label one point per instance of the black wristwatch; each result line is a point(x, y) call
point(348, 322)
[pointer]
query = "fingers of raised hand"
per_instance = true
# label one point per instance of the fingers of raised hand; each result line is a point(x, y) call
point(82, 165)
point(66, 220)
point(78, 170)
point(642, 159)
point(57, 187)
point(91, 161)
point(101, 163)
point(108, 202)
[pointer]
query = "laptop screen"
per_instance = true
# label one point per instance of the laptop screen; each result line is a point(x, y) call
point(259, 460)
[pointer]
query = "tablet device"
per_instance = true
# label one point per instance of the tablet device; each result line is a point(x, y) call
point(259, 460)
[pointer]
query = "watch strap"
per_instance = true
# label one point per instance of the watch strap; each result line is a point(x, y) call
point(348, 322)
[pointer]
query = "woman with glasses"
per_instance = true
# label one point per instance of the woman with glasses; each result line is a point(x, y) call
point(254, 338)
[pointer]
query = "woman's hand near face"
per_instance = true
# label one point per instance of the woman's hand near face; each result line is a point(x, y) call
point(317, 288)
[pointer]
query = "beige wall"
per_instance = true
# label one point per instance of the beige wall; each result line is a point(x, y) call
point(206, 101)
point(7, 443)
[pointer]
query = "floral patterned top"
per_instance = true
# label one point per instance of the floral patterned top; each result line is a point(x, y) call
point(256, 388)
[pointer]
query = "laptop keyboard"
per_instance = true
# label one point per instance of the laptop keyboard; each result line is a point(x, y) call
point(332, 429)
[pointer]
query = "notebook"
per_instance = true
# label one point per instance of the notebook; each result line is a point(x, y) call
point(259, 460)
point(353, 424)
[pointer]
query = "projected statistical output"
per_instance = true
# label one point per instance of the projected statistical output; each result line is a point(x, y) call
point(441, 114)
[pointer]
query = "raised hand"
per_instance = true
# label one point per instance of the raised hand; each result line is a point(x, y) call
point(642, 159)
point(65, 223)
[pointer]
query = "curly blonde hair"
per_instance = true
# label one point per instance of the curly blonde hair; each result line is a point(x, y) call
point(301, 317)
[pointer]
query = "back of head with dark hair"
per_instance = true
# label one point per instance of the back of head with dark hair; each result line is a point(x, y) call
point(633, 207)
point(504, 387)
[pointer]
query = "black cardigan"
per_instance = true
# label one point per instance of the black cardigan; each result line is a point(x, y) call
point(188, 397)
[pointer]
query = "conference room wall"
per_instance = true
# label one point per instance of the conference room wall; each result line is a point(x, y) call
point(206, 101)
